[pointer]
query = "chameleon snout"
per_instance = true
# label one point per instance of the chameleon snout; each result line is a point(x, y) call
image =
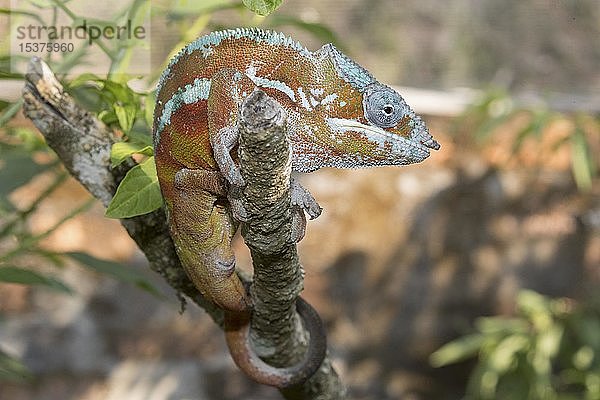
point(431, 143)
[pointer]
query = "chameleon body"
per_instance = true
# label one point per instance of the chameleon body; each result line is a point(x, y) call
point(338, 116)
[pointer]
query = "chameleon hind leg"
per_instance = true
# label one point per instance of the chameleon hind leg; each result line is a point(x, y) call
point(202, 229)
point(228, 89)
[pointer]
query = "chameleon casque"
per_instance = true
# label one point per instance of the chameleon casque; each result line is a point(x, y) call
point(338, 115)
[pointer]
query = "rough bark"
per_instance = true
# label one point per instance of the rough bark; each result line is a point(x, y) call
point(83, 143)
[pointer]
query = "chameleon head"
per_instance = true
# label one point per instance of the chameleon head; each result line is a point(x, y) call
point(387, 133)
point(375, 126)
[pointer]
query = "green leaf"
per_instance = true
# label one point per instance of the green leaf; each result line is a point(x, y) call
point(138, 193)
point(592, 384)
point(9, 112)
point(457, 350)
point(124, 103)
point(262, 7)
point(583, 358)
point(536, 308)
point(501, 325)
point(548, 341)
point(488, 384)
point(85, 79)
point(12, 369)
point(125, 115)
point(108, 117)
point(505, 353)
point(119, 103)
point(319, 31)
point(581, 160)
point(28, 277)
point(143, 137)
point(115, 270)
point(121, 151)
point(119, 92)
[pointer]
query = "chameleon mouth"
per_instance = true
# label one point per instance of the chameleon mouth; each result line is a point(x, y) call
point(420, 146)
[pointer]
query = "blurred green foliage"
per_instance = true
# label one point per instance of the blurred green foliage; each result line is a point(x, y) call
point(262, 7)
point(550, 350)
point(496, 108)
point(20, 247)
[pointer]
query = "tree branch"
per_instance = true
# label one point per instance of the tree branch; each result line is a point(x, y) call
point(265, 162)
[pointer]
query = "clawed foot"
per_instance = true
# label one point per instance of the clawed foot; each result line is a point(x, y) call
point(302, 202)
point(298, 224)
point(302, 199)
point(238, 210)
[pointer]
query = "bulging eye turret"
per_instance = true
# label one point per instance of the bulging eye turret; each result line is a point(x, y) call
point(383, 106)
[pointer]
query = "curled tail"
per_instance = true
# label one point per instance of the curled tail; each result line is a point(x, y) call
point(237, 334)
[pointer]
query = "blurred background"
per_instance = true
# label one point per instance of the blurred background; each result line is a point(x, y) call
point(471, 275)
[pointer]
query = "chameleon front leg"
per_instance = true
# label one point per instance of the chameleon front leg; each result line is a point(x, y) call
point(302, 201)
point(228, 90)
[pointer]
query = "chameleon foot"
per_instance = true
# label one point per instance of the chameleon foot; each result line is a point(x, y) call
point(302, 202)
point(238, 210)
point(302, 198)
point(298, 224)
point(237, 334)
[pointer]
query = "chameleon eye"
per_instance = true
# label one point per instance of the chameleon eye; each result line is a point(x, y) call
point(383, 107)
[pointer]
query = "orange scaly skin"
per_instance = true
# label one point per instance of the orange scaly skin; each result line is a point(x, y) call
point(338, 116)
